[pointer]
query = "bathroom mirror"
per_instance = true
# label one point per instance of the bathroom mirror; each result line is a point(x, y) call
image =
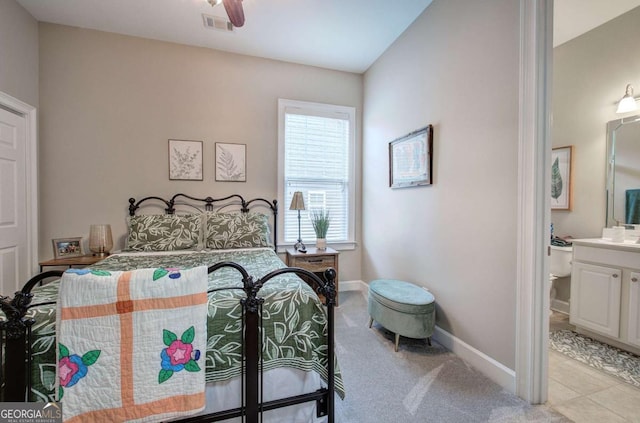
point(623, 171)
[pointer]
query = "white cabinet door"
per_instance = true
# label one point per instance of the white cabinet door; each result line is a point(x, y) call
point(633, 334)
point(595, 298)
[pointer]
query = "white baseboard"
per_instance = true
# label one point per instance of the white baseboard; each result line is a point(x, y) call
point(491, 368)
point(356, 285)
point(559, 305)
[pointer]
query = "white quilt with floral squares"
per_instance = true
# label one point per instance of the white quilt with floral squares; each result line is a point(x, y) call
point(131, 344)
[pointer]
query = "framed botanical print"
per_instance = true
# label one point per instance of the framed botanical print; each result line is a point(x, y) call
point(561, 178)
point(185, 160)
point(231, 162)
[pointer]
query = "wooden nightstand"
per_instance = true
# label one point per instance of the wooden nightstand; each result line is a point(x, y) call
point(69, 262)
point(316, 261)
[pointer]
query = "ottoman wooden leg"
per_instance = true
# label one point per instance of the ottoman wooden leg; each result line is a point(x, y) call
point(397, 341)
point(370, 321)
point(429, 341)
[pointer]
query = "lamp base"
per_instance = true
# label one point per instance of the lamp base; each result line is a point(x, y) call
point(300, 247)
point(101, 254)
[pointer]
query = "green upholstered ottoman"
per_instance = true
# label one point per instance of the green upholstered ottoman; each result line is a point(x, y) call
point(403, 308)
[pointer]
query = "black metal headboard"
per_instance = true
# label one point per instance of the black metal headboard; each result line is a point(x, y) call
point(235, 202)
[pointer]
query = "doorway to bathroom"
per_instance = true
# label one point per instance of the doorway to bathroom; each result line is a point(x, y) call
point(587, 380)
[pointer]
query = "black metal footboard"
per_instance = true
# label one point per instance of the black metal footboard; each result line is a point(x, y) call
point(15, 340)
point(15, 351)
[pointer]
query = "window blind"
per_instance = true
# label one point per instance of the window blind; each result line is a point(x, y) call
point(316, 162)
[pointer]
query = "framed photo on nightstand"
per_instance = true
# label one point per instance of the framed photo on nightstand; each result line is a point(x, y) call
point(67, 247)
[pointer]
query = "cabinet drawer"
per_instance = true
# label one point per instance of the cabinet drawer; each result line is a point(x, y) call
point(315, 261)
point(314, 264)
point(606, 256)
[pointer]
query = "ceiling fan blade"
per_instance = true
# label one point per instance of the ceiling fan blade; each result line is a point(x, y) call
point(235, 12)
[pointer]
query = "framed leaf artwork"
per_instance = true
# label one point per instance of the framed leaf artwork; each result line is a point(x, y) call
point(231, 162)
point(185, 160)
point(561, 178)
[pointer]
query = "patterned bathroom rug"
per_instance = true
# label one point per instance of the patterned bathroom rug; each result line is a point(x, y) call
point(611, 360)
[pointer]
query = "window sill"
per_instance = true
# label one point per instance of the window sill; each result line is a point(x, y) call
point(338, 246)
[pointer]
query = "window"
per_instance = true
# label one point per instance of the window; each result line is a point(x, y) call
point(316, 156)
point(316, 201)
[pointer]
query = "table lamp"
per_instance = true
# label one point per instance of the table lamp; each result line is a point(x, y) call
point(100, 240)
point(297, 203)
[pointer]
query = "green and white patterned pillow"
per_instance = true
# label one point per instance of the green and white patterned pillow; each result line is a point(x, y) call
point(237, 230)
point(164, 232)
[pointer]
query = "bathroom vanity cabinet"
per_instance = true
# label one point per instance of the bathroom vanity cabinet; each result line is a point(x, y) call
point(605, 291)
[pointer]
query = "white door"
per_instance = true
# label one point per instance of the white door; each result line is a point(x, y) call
point(14, 265)
point(595, 298)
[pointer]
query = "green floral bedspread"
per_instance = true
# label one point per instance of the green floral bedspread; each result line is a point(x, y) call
point(294, 320)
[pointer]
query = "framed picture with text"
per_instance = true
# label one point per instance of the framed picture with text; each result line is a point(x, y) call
point(410, 159)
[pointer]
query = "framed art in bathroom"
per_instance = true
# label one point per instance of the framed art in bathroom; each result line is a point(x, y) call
point(562, 178)
point(410, 159)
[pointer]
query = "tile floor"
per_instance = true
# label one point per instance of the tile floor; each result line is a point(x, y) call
point(585, 394)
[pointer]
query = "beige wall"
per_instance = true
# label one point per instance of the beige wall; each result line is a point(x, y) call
point(18, 53)
point(457, 68)
point(109, 103)
point(590, 74)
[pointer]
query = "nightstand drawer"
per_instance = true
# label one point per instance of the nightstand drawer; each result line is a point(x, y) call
point(315, 261)
point(314, 264)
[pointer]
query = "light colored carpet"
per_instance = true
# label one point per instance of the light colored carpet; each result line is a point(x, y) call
point(611, 360)
point(416, 384)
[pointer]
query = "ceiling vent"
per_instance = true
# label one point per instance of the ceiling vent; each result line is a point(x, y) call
point(214, 22)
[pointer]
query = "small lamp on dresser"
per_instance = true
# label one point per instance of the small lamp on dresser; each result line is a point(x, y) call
point(100, 240)
point(297, 203)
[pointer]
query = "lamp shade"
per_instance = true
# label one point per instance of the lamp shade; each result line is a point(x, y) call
point(100, 239)
point(297, 202)
point(627, 103)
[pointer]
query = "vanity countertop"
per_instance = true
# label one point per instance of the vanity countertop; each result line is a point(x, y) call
point(627, 245)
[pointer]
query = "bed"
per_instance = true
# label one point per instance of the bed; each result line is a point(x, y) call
point(269, 346)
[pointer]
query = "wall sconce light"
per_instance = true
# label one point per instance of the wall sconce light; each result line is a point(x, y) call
point(100, 240)
point(627, 102)
point(297, 203)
